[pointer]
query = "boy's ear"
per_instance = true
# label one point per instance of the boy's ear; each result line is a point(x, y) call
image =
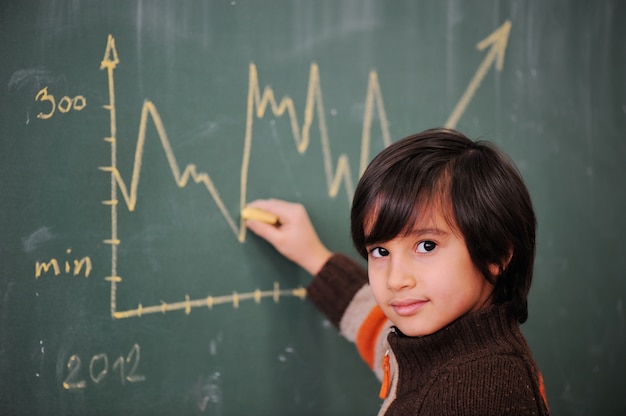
point(496, 269)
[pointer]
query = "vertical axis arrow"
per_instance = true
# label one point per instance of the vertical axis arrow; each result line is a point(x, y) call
point(109, 62)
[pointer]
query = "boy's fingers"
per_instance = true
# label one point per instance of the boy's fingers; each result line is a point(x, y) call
point(266, 231)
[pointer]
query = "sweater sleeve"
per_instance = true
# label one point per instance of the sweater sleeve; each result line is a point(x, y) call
point(341, 292)
point(335, 285)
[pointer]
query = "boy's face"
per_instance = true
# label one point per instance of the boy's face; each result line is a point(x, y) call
point(425, 280)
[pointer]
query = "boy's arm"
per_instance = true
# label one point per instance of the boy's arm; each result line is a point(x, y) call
point(340, 291)
point(335, 285)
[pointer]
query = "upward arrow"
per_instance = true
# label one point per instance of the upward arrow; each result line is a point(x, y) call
point(110, 59)
point(498, 41)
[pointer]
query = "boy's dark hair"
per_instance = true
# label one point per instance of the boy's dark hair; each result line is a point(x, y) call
point(477, 188)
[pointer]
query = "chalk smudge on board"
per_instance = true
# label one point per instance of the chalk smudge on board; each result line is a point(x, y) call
point(30, 243)
point(208, 392)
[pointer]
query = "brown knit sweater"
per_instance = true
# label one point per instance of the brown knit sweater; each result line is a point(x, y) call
point(477, 365)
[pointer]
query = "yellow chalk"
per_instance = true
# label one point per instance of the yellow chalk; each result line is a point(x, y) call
point(257, 214)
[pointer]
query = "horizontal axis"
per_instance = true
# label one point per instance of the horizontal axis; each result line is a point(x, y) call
point(210, 301)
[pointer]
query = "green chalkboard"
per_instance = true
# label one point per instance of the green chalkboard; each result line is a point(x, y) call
point(132, 132)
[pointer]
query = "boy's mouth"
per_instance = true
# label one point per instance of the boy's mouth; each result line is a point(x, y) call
point(407, 307)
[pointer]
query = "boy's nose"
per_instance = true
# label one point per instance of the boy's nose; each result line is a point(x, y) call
point(401, 275)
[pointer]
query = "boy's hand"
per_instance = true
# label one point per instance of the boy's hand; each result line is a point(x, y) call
point(295, 238)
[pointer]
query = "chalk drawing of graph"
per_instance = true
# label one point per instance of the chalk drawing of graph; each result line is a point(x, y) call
point(258, 103)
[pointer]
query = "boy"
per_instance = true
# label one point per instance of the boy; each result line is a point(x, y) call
point(448, 230)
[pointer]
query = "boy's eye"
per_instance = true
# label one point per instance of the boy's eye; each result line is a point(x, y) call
point(426, 246)
point(378, 252)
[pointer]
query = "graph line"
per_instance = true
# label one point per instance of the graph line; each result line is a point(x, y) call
point(498, 41)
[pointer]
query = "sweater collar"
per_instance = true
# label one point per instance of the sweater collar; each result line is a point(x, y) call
point(489, 329)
